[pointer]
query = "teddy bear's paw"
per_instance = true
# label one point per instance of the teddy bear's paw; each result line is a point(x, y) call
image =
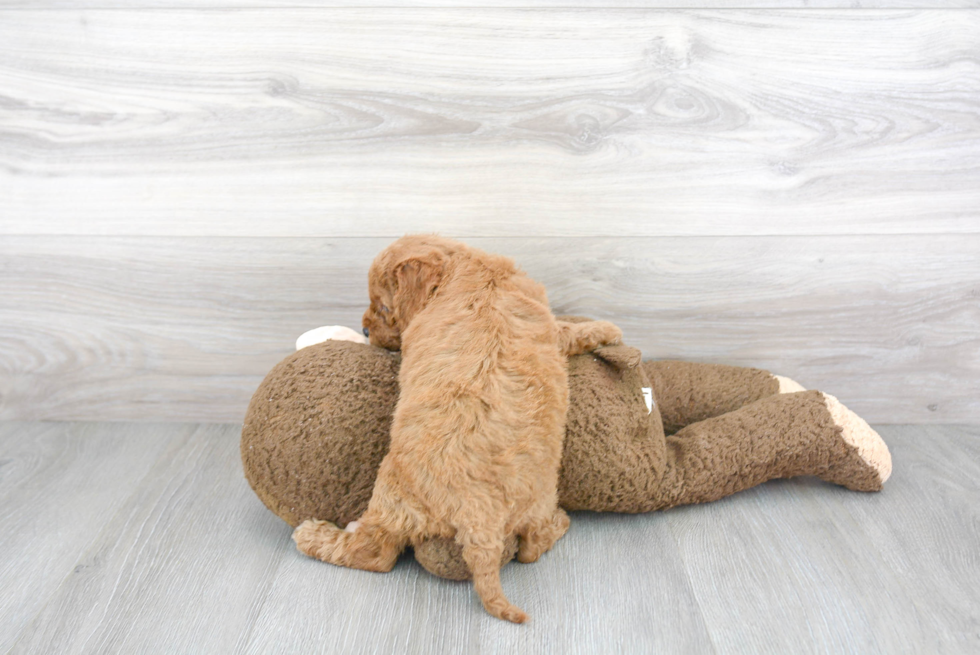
point(315, 538)
point(787, 385)
point(868, 444)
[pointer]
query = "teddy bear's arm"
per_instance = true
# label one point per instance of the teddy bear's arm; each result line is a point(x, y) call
point(688, 392)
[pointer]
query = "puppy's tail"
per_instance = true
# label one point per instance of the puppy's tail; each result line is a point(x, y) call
point(578, 338)
point(482, 555)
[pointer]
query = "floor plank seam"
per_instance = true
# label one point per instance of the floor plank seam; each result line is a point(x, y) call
point(690, 586)
point(245, 640)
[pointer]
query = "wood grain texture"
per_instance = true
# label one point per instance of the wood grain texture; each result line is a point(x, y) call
point(182, 567)
point(774, 571)
point(938, 472)
point(565, 605)
point(489, 122)
point(59, 484)
point(559, 4)
point(178, 329)
point(848, 572)
point(190, 561)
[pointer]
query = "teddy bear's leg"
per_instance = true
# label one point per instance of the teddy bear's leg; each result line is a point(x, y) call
point(578, 338)
point(803, 433)
point(687, 392)
point(369, 547)
point(540, 534)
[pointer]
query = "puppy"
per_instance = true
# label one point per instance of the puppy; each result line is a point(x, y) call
point(476, 438)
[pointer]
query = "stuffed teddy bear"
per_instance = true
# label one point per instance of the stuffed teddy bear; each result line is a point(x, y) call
point(640, 436)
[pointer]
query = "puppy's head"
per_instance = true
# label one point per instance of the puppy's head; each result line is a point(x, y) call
point(401, 281)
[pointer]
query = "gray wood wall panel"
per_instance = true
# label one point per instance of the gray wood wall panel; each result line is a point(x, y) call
point(185, 328)
point(482, 122)
point(792, 189)
point(404, 4)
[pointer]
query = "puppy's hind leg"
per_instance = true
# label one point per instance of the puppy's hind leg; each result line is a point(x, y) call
point(540, 534)
point(482, 552)
point(369, 547)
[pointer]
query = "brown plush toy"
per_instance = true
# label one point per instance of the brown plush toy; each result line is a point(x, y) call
point(641, 436)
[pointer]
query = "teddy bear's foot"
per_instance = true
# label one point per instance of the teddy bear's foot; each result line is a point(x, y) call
point(868, 464)
point(786, 385)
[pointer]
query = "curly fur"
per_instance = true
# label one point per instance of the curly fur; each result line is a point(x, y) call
point(476, 438)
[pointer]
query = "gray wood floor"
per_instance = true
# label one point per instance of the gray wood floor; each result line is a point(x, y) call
point(129, 538)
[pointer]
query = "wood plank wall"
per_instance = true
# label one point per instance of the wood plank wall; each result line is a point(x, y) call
point(185, 187)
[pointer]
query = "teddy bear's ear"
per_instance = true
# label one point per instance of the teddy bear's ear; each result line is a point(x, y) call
point(622, 357)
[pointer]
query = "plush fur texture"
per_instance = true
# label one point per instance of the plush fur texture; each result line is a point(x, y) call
point(318, 426)
point(476, 437)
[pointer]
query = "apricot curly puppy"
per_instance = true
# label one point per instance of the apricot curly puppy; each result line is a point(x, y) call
point(476, 438)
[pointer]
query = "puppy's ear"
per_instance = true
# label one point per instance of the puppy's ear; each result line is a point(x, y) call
point(416, 279)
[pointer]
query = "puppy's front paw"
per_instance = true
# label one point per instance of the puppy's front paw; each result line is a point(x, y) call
point(312, 535)
point(608, 334)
